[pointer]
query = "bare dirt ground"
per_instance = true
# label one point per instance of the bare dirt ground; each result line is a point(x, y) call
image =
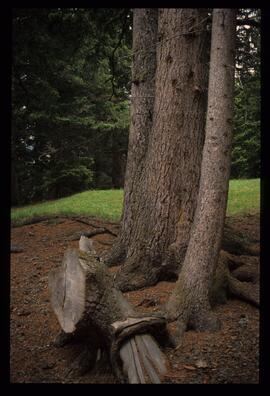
point(230, 355)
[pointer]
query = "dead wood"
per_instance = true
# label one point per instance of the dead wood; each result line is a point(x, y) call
point(85, 301)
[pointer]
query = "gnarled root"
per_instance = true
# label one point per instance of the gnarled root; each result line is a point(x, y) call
point(191, 317)
point(116, 255)
point(244, 291)
point(236, 244)
point(237, 276)
point(137, 273)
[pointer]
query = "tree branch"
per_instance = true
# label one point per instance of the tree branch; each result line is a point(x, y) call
point(112, 59)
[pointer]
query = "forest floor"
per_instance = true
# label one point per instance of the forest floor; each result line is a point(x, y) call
point(230, 355)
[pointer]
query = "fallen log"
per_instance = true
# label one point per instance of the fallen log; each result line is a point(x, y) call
point(86, 302)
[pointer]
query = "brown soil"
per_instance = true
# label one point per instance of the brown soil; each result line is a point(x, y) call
point(230, 355)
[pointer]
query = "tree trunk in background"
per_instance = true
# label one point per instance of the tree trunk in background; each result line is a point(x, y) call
point(189, 302)
point(14, 185)
point(118, 169)
point(142, 102)
point(159, 206)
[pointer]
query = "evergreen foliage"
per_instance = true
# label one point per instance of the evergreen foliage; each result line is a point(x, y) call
point(70, 100)
point(71, 80)
point(246, 143)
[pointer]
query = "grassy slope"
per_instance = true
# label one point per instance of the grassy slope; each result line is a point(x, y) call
point(244, 197)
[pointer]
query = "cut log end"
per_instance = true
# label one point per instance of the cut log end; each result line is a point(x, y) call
point(67, 289)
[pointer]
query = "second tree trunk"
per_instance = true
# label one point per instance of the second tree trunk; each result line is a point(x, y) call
point(163, 202)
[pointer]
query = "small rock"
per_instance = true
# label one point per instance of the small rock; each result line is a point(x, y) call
point(188, 367)
point(201, 364)
point(243, 321)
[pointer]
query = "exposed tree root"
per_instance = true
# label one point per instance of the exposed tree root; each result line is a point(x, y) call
point(146, 271)
point(116, 254)
point(76, 236)
point(80, 219)
point(236, 276)
point(190, 312)
point(246, 273)
point(244, 291)
point(137, 273)
point(236, 244)
point(199, 315)
point(204, 320)
point(230, 272)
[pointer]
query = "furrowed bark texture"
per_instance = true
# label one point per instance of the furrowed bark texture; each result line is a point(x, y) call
point(159, 228)
point(142, 103)
point(189, 302)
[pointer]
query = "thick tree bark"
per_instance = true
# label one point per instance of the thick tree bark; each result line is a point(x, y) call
point(189, 302)
point(142, 103)
point(14, 185)
point(163, 201)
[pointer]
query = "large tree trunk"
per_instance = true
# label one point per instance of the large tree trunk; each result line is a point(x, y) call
point(161, 205)
point(142, 103)
point(189, 302)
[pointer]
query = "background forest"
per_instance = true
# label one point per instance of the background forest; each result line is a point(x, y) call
point(71, 82)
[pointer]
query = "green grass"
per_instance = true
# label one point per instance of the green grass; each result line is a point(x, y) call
point(103, 204)
point(244, 197)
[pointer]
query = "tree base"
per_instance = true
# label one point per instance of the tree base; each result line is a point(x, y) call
point(142, 270)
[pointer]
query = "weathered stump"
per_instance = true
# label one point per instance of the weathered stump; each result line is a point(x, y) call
point(88, 306)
